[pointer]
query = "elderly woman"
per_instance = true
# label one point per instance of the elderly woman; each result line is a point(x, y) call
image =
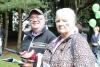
point(70, 49)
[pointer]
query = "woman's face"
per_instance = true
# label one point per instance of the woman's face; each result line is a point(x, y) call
point(63, 24)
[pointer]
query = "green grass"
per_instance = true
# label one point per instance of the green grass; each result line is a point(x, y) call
point(9, 64)
point(12, 45)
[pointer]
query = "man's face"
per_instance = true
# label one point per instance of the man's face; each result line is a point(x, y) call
point(96, 29)
point(37, 21)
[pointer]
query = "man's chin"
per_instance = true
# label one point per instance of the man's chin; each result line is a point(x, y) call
point(35, 27)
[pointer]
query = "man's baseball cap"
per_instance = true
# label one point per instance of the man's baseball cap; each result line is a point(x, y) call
point(35, 11)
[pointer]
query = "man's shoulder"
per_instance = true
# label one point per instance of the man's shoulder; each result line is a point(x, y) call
point(48, 32)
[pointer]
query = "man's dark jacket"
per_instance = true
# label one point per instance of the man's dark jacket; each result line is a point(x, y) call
point(46, 36)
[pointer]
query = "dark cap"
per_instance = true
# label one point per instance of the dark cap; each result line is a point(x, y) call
point(35, 11)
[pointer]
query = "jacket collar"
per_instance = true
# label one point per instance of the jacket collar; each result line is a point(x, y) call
point(30, 32)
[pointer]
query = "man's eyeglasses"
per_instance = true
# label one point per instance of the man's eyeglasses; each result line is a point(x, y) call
point(38, 17)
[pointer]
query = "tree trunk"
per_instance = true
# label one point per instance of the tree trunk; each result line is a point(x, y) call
point(19, 30)
point(6, 30)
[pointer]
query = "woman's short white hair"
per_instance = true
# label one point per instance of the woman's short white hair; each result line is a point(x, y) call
point(67, 12)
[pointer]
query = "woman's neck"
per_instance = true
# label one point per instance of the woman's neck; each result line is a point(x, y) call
point(66, 35)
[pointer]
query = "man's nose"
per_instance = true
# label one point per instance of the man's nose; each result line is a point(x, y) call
point(35, 20)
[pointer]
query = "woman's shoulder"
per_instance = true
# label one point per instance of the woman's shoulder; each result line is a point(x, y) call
point(77, 36)
point(79, 39)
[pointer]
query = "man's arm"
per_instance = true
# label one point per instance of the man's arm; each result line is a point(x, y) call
point(26, 54)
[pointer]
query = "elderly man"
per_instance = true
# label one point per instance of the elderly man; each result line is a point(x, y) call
point(38, 34)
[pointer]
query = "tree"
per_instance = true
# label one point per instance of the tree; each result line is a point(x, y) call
point(8, 5)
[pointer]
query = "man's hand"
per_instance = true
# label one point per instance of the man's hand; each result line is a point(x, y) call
point(26, 54)
point(27, 65)
point(22, 53)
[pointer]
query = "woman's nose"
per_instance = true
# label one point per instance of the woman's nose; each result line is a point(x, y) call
point(61, 23)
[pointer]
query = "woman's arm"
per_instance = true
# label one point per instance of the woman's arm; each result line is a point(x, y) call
point(83, 54)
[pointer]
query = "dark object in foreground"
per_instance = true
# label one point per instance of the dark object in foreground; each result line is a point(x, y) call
point(13, 60)
point(12, 51)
